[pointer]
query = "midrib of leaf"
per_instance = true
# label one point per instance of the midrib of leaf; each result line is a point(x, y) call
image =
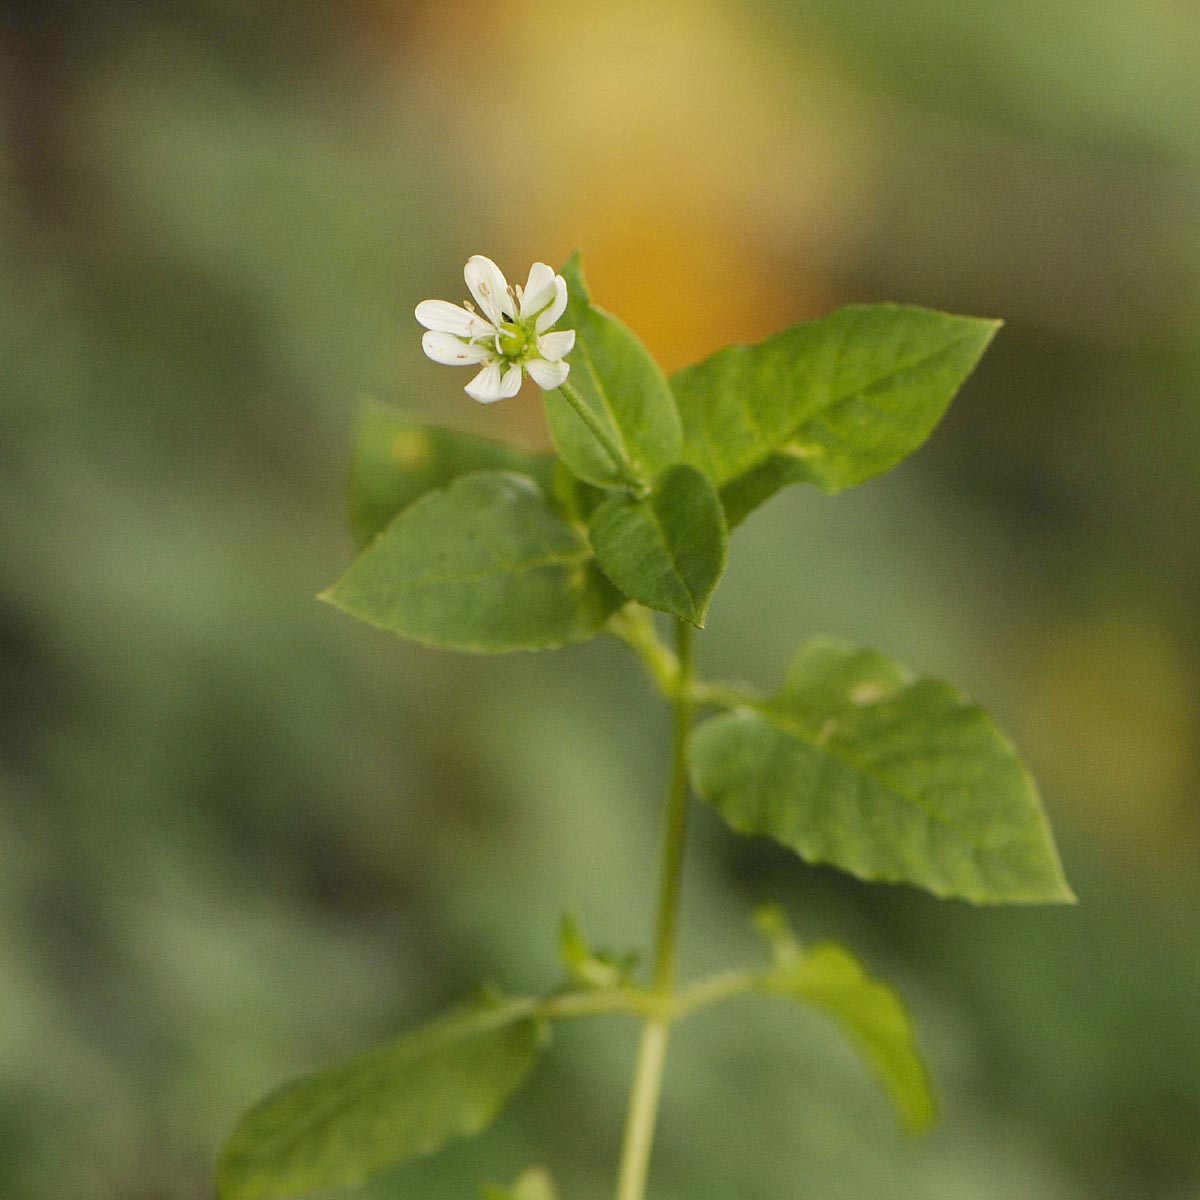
point(602, 393)
point(797, 729)
point(533, 564)
point(832, 401)
point(666, 545)
point(901, 369)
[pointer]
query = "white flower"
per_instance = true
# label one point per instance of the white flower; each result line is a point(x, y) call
point(510, 335)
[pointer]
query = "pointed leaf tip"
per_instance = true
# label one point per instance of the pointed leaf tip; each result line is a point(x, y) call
point(833, 402)
point(667, 549)
point(832, 980)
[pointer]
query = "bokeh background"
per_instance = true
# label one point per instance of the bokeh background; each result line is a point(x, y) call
point(241, 835)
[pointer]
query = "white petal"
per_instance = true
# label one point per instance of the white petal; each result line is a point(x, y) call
point(444, 317)
point(485, 387)
point(539, 291)
point(453, 352)
point(556, 346)
point(489, 287)
point(558, 305)
point(510, 385)
point(547, 375)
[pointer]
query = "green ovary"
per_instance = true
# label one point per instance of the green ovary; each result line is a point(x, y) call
point(514, 340)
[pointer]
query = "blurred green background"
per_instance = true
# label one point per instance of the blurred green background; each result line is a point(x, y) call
point(241, 835)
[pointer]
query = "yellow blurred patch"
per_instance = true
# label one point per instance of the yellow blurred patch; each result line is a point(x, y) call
point(1111, 699)
point(410, 449)
point(691, 155)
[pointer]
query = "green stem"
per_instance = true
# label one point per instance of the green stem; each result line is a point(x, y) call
point(720, 695)
point(676, 825)
point(717, 989)
point(634, 625)
point(630, 1001)
point(652, 1054)
point(586, 414)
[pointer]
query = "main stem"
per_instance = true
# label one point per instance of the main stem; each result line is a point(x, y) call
point(652, 1053)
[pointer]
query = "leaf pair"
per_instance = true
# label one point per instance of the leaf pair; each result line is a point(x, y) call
point(449, 1079)
point(473, 545)
point(832, 402)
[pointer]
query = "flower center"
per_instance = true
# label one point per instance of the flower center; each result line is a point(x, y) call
point(513, 340)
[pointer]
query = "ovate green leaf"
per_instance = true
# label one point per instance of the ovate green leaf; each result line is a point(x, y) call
point(406, 1099)
point(484, 564)
point(829, 978)
point(666, 549)
point(859, 764)
point(397, 461)
point(833, 402)
point(622, 384)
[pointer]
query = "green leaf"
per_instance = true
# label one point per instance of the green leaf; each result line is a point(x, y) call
point(859, 764)
point(397, 462)
point(623, 385)
point(482, 565)
point(587, 966)
point(534, 1184)
point(406, 1099)
point(667, 549)
point(829, 978)
point(833, 402)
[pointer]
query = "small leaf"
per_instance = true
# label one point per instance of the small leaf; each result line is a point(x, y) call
point(667, 549)
point(397, 462)
point(588, 967)
point(534, 1184)
point(623, 385)
point(481, 565)
point(831, 979)
point(833, 402)
point(773, 925)
point(402, 1101)
point(859, 764)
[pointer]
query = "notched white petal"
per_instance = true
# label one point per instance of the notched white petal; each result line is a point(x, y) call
point(548, 375)
point(444, 317)
point(556, 346)
point(486, 386)
point(538, 292)
point(451, 351)
point(489, 287)
point(510, 385)
point(558, 305)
